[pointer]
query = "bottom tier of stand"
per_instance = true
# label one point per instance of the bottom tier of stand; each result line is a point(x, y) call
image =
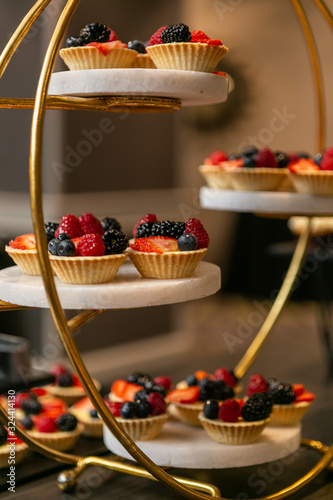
point(186, 447)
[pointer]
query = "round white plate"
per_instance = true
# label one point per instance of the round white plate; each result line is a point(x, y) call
point(268, 202)
point(187, 447)
point(193, 88)
point(127, 291)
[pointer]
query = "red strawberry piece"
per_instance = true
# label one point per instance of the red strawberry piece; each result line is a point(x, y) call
point(112, 36)
point(189, 395)
point(164, 381)
point(14, 439)
point(298, 389)
point(158, 405)
point(327, 160)
point(241, 403)
point(292, 157)
point(83, 404)
point(71, 225)
point(195, 227)
point(145, 218)
point(118, 387)
point(303, 164)
point(39, 391)
point(91, 245)
point(306, 396)
point(214, 42)
point(19, 398)
point(229, 411)
point(114, 407)
point(155, 39)
point(24, 242)
point(130, 391)
point(157, 244)
point(54, 408)
point(90, 224)
point(225, 375)
point(266, 158)
point(257, 383)
point(199, 37)
point(217, 156)
point(44, 423)
point(76, 380)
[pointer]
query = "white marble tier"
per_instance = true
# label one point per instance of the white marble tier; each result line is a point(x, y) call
point(266, 202)
point(193, 88)
point(127, 291)
point(180, 445)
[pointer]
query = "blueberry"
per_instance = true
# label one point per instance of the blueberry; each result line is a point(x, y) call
point(141, 395)
point(134, 377)
point(128, 410)
point(66, 248)
point(249, 161)
point(93, 413)
point(282, 159)
point(53, 246)
point(191, 380)
point(250, 151)
point(187, 242)
point(27, 423)
point(143, 409)
point(318, 158)
point(63, 236)
point(222, 391)
point(211, 409)
point(136, 45)
point(160, 389)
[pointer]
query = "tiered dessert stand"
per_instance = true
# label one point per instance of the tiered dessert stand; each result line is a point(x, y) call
point(129, 290)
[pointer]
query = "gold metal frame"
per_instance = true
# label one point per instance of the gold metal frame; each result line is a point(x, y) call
point(186, 488)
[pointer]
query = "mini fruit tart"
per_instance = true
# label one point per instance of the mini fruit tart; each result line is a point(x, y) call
point(313, 175)
point(12, 449)
point(290, 401)
point(175, 47)
point(96, 47)
point(87, 415)
point(233, 422)
point(168, 249)
point(23, 251)
point(126, 389)
point(215, 175)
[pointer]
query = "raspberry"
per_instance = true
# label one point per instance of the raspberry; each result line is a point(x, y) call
point(155, 39)
point(327, 161)
point(145, 218)
point(195, 227)
point(257, 383)
point(217, 156)
point(199, 37)
point(229, 411)
point(266, 158)
point(225, 375)
point(90, 224)
point(45, 424)
point(164, 381)
point(157, 402)
point(91, 245)
point(71, 225)
point(114, 407)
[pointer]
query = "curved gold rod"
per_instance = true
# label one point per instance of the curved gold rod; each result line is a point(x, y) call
point(325, 11)
point(6, 306)
point(316, 72)
point(281, 299)
point(20, 33)
point(82, 318)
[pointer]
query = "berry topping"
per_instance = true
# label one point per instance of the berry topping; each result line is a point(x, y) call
point(226, 375)
point(211, 409)
point(168, 228)
point(95, 32)
point(249, 161)
point(44, 423)
point(50, 229)
point(158, 405)
point(187, 242)
point(93, 413)
point(143, 409)
point(327, 161)
point(65, 380)
point(114, 241)
point(141, 395)
point(157, 244)
point(176, 33)
point(90, 224)
point(305, 396)
point(114, 407)
point(20, 398)
point(58, 369)
point(31, 406)
point(71, 225)
point(128, 410)
point(155, 39)
point(303, 164)
point(54, 407)
point(91, 245)
point(53, 246)
point(266, 158)
point(190, 395)
point(110, 223)
point(257, 383)
point(229, 411)
point(27, 423)
point(145, 218)
point(66, 422)
point(66, 248)
point(74, 41)
point(216, 157)
point(282, 394)
point(3, 434)
point(222, 391)
point(298, 389)
point(199, 37)
point(137, 45)
point(130, 391)
point(118, 387)
point(257, 407)
point(282, 159)
point(24, 242)
point(250, 151)
point(163, 381)
point(194, 226)
point(191, 380)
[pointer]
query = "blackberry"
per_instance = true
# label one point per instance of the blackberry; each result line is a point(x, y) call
point(110, 223)
point(93, 413)
point(144, 230)
point(27, 423)
point(176, 33)
point(257, 407)
point(31, 406)
point(53, 246)
point(282, 159)
point(143, 409)
point(66, 248)
point(211, 409)
point(50, 229)
point(222, 391)
point(115, 242)
point(207, 387)
point(128, 410)
point(137, 45)
point(3, 435)
point(141, 396)
point(146, 381)
point(168, 228)
point(187, 242)
point(65, 380)
point(95, 32)
point(74, 41)
point(282, 394)
point(66, 422)
point(133, 377)
point(191, 380)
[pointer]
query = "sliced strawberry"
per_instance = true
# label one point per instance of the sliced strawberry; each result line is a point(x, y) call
point(303, 164)
point(216, 157)
point(156, 244)
point(83, 404)
point(54, 408)
point(190, 395)
point(232, 163)
point(39, 391)
point(24, 242)
point(298, 389)
point(145, 218)
point(76, 380)
point(118, 387)
point(106, 47)
point(130, 391)
point(306, 396)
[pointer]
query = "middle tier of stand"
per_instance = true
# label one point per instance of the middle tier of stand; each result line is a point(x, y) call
point(127, 291)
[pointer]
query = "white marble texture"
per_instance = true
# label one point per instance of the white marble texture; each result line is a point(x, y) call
point(193, 88)
point(278, 202)
point(180, 445)
point(127, 291)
